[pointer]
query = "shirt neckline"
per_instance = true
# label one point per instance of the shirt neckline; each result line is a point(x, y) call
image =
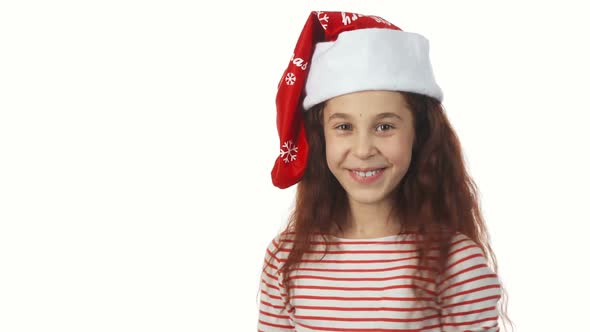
point(383, 238)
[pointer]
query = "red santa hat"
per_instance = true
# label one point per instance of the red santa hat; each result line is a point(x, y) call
point(339, 53)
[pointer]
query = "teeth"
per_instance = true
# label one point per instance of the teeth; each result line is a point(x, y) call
point(365, 174)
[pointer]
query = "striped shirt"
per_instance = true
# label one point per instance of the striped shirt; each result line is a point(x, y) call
point(365, 285)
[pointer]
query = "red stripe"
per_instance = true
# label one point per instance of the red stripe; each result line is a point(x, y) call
point(270, 286)
point(462, 313)
point(456, 242)
point(276, 297)
point(270, 276)
point(406, 276)
point(482, 299)
point(268, 304)
point(485, 276)
point(396, 309)
point(276, 325)
point(341, 252)
point(356, 261)
point(353, 242)
point(275, 244)
point(471, 268)
point(339, 329)
point(274, 315)
point(359, 288)
point(463, 260)
point(363, 298)
point(269, 264)
point(497, 329)
point(495, 318)
point(270, 253)
point(415, 267)
point(366, 319)
point(470, 291)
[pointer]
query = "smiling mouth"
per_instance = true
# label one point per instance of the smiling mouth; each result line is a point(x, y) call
point(366, 172)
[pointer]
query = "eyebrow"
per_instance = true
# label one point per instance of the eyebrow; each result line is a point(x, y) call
point(378, 116)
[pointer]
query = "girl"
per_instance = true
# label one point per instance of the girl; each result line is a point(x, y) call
point(386, 233)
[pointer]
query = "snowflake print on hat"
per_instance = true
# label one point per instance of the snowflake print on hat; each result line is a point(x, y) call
point(290, 79)
point(290, 152)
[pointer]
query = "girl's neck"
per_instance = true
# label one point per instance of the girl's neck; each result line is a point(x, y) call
point(369, 221)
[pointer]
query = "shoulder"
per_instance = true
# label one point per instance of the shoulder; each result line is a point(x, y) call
point(280, 241)
point(278, 249)
point(463, 248)
point(468, 291)
point(467, 264)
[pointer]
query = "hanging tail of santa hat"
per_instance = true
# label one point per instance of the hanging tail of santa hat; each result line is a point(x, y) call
point(339, 53)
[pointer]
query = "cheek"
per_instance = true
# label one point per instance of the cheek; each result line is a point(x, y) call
point(398, 152)
point(335, 152)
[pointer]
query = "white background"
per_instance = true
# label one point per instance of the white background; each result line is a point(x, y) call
point(137, 139)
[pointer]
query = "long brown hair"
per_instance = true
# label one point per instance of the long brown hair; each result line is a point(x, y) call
point(437, 197)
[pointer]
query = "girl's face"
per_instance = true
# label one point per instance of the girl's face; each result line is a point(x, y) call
point(369, 137)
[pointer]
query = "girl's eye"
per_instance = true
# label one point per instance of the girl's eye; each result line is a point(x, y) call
point(343, 127)
point(384, 127)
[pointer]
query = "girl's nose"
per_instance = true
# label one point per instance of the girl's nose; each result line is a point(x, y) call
point(364, 146)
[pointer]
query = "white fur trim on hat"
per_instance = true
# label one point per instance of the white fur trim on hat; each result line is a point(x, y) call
point(370, 59)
